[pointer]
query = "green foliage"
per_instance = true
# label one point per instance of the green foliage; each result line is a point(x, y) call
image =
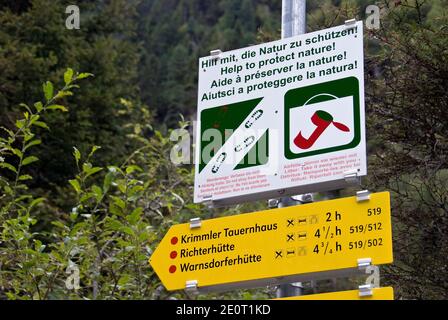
point(118, 215)
point(407, 103)
point(27, 270)
point(35, 47)
point(176, 33)
point(107, 234)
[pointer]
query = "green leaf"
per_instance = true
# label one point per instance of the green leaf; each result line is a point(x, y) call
point(48, 90)
point(94, 149)
point(134, 191)
point(33, 119)
point(86, 166)
point(62, 94)
point(35, 202)
point(7, 189)
point(135, 215)
point(132, 168)
point(25, 177)
point(108, 181)
point(12, 296)
point(42, 125)
point(77, 155)
point(38, 246)
point(57, 107)
point(114, 224)
point(8, 166)
point(114, 209)
point(32, 143)
point(68, 76)
point(92, 171)
point(98, 192)
point(39, 106)
point(26, 107)
point(121, 185)
point(144, 236)
point(29, 160)
point(24, 197)
point(74, 214)
point(124, 280)
point(11, 134)
point(75, 185)
point(55, 254)
point(119, 202)
point(28, 136)
point(18, 153)
point(20, 123)
point(84, 75)
point(115, 170)
point(127, 230)
point(86, 197)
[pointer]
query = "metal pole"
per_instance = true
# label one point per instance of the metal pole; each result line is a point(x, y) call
point(293, 24)
point(295, 288)
point(293, 18)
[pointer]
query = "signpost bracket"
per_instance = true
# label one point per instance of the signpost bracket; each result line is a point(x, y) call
point(364, 263)
point(209, 202)
point(215, 54)
point(191, 286)
point(307, 198)
point(363, 195)
point(365, 290)
point(304, 198)
point(352, 177)
point(273, 203)
point(350, 23)
point(195, 223)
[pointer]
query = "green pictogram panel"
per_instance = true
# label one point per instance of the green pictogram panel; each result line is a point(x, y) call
point(222, 118)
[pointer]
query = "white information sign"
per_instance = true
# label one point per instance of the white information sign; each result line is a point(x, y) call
point(281, 118)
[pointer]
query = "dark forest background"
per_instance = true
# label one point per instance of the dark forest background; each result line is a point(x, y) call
point(144, 55)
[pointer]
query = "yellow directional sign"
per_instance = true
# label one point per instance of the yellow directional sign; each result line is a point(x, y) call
point(305, 239)
point(386, 293)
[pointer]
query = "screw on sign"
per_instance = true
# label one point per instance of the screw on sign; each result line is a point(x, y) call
point(322, 120)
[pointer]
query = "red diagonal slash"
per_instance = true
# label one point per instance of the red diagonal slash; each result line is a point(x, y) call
point(322, 120)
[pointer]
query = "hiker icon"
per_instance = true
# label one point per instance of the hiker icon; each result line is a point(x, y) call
point(322, 120)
